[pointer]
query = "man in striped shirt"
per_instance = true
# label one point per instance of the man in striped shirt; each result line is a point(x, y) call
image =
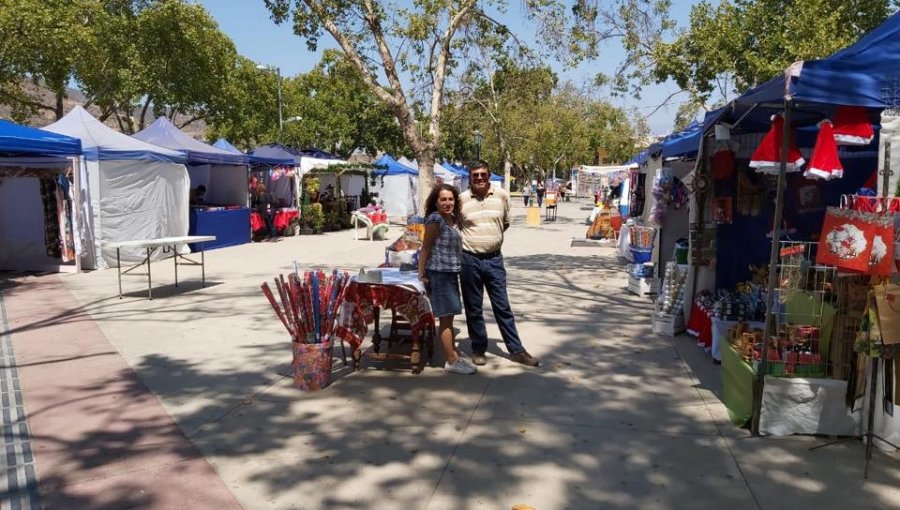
point(485, 212)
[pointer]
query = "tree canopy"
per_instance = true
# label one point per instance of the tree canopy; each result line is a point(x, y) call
point(732, 45)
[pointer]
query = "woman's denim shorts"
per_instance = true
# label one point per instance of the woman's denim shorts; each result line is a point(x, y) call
point(443, 292)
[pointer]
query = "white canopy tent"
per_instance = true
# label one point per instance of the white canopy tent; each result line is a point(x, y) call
point(397, 187)
point(129, 189)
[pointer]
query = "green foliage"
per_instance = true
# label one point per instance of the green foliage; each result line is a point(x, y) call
point(311, 216)
point(339, 112)
point(39, 44)
point(534, 123)
point(736, 44)
point(129, 57)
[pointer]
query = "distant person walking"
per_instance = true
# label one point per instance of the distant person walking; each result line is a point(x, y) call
point(526, 193)
point(540, 193)
point(264, 204)
point(439, 266)
point(485, 212)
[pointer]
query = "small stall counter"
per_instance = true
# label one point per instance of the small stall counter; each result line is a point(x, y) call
point(229, 225)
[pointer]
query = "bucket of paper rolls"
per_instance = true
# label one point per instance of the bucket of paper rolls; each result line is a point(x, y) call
point(312, 365)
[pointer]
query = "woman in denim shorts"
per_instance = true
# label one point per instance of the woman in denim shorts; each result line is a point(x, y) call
point(439, 266)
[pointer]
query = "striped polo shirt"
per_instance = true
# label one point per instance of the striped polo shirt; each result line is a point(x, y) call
point(484, 220)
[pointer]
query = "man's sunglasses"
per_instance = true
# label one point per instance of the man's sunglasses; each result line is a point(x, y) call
point(480, 177)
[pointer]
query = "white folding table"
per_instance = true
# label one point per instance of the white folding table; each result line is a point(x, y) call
point(168, 244)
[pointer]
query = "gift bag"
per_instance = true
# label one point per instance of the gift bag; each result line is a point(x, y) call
point(855, 241)
point(887, 299)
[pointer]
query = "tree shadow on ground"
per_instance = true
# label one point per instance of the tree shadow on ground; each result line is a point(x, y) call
point(610, 420)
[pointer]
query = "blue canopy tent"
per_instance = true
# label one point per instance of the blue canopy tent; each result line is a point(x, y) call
point(397, 187)
point(33, 167)
point(277, 151)
point(683, 144)
point(223, 211)
point(16, 140)
point(224, 144)
point(460, 171)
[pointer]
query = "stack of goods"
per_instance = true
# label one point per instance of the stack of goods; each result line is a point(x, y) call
point(641, 270)
point(403, 251)
point(415, 228)
point(671, 298)
point(641, 243)
point(794, 352)
point(746, 304)
point(745, 341)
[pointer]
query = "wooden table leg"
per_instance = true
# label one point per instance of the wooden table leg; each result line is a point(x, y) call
point(357, 356)
point(376, 336)
point(416, 356)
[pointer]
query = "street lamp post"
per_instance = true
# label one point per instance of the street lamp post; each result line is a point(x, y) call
point(280, 119)
point(478, 138)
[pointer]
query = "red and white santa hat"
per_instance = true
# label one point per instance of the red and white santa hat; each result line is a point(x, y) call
point(825, 163)
point(852, 127)
point(767, 157)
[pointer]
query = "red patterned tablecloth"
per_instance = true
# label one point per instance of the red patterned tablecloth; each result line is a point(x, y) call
point(282, 219)
point(362, 299)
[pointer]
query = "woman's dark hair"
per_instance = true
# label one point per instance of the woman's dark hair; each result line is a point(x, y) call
point(431, 201)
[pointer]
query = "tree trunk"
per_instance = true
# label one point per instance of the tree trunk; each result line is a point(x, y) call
point(425, 159)
point(60, 106)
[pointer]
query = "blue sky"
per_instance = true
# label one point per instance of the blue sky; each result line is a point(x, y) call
point(248, 23)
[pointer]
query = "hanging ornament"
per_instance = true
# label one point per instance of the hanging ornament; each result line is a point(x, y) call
point(852, 126)
point(723, 164)
point(767, 158)
point(825, 163)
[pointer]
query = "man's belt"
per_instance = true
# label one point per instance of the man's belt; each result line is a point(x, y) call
point(483, 255)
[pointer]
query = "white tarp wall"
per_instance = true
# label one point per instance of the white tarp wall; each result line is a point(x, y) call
point(22, 226)
point(225, 184)
point(398, 194)
point(127, 200)
point(448, 177)
point(351, 184)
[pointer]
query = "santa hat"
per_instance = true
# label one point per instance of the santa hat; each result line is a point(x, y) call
point(852, 127)
point(767, 157)
point(825, 163)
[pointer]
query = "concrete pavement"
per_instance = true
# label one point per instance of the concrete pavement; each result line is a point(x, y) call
point(614, 418)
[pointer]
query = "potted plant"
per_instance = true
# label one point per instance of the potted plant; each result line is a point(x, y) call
point(307, 223)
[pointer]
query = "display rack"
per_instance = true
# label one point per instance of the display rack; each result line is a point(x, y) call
point(804, 314)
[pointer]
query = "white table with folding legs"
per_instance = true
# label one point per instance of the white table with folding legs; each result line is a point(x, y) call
point(168, 245)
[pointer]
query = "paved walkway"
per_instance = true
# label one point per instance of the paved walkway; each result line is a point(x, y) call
point(616, 418)
point(101, 439)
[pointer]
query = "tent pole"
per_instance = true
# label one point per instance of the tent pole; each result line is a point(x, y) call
point(76, 209)
point(773, 269)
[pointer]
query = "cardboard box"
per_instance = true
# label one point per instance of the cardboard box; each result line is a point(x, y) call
point(668, 325)
point(643, 286)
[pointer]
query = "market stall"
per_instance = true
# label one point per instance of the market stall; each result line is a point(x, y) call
point(793, 167)
point(282, 181)
point(129, 189)
point(39, 223)
point(396, 186)
point(223, 210)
